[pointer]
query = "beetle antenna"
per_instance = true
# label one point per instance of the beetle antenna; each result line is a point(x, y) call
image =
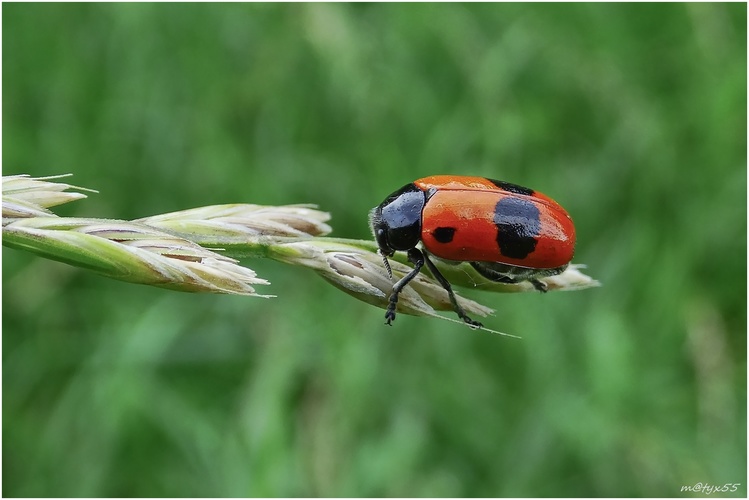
point(387, 265)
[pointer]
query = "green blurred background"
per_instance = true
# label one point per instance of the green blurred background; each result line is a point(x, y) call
point(631, 116)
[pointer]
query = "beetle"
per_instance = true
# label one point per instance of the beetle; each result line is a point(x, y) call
point(508, 233)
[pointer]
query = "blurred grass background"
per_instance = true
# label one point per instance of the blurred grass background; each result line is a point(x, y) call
point(631, 116)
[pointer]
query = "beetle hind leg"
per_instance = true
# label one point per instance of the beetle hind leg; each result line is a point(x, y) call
point(504, 273)
point(540, 285)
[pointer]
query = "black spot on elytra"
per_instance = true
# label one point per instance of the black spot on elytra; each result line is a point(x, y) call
point(512, 188)
point(444, 234)
point(518, 224)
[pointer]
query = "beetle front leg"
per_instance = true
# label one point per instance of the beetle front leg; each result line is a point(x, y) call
point(417, 259)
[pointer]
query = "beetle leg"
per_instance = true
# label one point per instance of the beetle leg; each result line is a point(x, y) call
point(502, 273)
point(446, 285)
point(540, 285)
point(417, 259)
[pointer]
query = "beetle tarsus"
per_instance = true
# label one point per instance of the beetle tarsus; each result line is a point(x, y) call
point(470, 322)
point(390, 313)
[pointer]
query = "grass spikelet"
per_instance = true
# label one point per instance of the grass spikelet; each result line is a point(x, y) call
point(132, 252)
point(245, 220)
point(25, 196)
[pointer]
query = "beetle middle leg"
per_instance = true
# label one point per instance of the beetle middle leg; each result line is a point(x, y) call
point(449, 289)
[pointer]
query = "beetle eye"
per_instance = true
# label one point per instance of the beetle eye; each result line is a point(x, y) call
point(381, 236)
